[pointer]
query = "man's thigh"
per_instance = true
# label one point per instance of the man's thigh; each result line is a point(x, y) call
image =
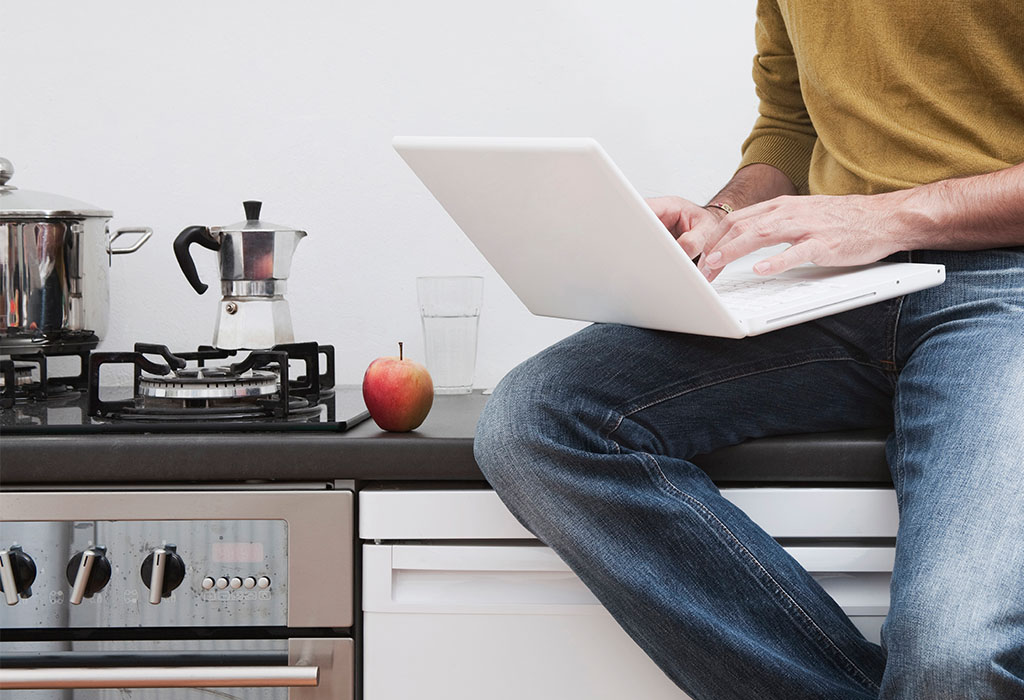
point(679, 395)
point(957, 457)
point(959, 400)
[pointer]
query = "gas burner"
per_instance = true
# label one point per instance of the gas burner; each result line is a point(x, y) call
point(24, 377)
point(168, 410)
point(183, 387)
point(203, 383)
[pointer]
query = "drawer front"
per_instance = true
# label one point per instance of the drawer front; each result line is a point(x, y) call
point(532, 579)
point(479, 514)
point(521, 625)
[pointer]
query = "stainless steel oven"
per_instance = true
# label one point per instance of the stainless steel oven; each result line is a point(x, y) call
point(159, 594)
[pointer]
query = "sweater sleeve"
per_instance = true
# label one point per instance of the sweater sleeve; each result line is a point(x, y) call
point(783, 135)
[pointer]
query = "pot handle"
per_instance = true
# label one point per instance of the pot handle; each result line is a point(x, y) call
point(144, 231)
point(193, 234)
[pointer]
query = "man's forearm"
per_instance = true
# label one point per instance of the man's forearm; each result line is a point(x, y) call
point(755, 183)
point(971, 213)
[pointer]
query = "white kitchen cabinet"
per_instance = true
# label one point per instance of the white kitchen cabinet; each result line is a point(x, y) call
point(460, 602)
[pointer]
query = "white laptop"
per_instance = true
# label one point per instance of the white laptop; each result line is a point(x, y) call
point(573, 239)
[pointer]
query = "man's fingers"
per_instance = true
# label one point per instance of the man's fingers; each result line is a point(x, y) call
point(690, 224)
point(791, 257)
point(763, 224)
point(673, 212)
point(742, 238)
point(715, 234)
point(710, 232)
point(660, 204)
point(693, 242)
point(663, 209)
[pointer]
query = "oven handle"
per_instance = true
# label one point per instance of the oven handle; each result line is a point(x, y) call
point(160, 677)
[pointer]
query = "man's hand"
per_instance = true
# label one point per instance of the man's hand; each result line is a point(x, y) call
point(821, 229)
point(691, 224)
point(971, 213)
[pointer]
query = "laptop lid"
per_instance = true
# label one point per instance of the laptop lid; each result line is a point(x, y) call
point(567, 232)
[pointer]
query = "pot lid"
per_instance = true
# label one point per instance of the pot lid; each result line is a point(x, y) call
point(28, 204)
point(253, 223)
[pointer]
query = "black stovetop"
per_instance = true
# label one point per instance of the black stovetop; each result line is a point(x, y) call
point(68, 413)
point(199, 391)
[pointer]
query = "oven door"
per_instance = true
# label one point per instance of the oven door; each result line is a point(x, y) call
point(285, 669)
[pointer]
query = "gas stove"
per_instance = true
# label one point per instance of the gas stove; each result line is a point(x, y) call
point(25, 376)
point(153, 593)
point(286, 387)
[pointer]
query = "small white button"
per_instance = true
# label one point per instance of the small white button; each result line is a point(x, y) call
point(208, 583)
point(222, 583)
point(249, 582)
point(235, 582)
point(263, 582)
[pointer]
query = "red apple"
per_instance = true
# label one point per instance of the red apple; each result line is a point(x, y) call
point(398, 392)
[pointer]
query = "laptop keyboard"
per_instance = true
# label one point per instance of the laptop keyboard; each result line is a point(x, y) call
point(757, 295)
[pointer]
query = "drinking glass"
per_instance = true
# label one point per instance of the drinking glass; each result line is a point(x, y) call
point(450, 309)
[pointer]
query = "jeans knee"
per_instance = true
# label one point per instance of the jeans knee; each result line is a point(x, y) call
point(943, 650)
point(511, 428)
point(537, 429)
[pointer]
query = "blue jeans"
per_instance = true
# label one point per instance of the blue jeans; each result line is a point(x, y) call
point(588, 444)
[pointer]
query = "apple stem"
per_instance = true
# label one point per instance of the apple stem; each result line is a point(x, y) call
point(399, 350)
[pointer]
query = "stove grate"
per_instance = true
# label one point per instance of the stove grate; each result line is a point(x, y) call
point(16, 388)
point(295, 398)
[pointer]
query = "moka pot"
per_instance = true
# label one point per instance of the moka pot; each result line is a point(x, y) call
point(255, 261)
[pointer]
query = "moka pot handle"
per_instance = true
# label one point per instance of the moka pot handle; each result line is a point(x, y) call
point(193, 234)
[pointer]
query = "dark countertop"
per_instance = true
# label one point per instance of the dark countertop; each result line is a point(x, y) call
point(441, 450)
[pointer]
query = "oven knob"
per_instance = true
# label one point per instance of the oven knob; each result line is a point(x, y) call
point(88, 572)
point(222, 583)
point(162, 571)
point(249, 582)
point(236, 582)
point(208, 583)
point(17, 572)
point(263, 582)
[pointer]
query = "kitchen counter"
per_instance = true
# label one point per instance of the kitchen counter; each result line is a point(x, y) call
point(441, 450)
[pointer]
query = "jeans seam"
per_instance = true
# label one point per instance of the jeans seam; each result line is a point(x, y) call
point(893, 335)
point(897, 466)
point(847, 664)
point(762, 370)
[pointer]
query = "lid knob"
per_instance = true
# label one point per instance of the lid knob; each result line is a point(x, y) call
point(252, 209)
point(6, 171)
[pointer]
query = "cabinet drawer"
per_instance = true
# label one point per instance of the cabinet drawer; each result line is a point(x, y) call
point(480, 514)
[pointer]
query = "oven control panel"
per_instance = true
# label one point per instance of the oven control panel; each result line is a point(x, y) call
point(167, 573)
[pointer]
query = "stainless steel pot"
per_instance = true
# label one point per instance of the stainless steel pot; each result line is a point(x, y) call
point(54, 256)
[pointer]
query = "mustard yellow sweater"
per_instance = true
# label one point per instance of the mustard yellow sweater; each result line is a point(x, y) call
point(865, 96)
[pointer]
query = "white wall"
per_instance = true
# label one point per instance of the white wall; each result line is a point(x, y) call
point(171, 114)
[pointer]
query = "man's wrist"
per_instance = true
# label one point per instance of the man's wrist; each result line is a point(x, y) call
point(914, 218)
